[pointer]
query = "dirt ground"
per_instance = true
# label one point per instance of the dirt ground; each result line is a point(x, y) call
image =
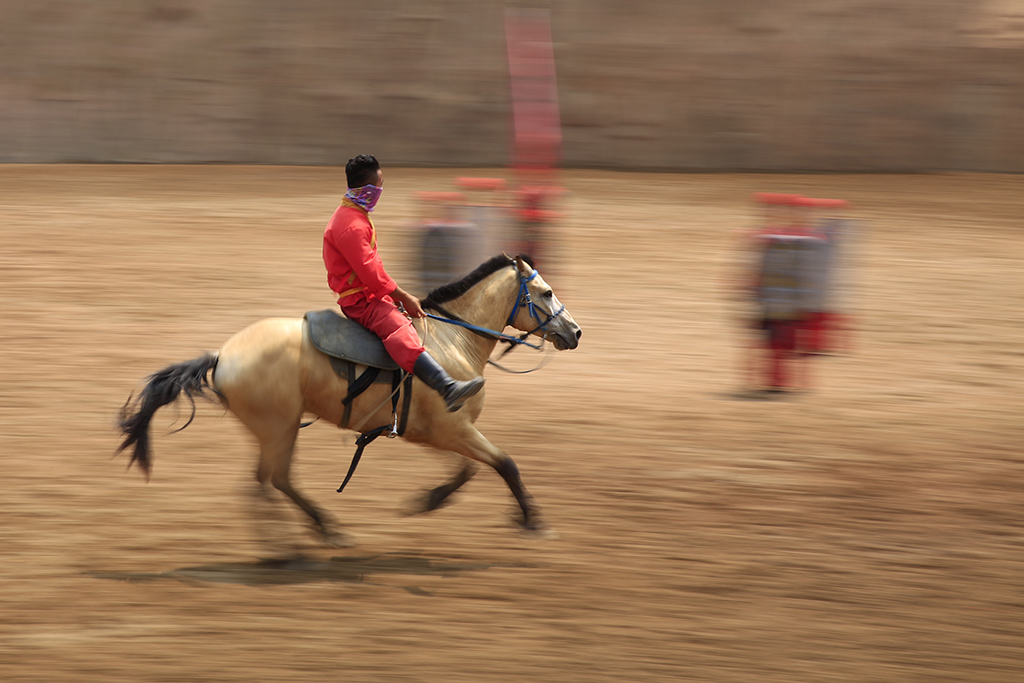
point(869, 529)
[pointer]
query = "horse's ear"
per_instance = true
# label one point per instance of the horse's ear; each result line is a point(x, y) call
point(523, 266)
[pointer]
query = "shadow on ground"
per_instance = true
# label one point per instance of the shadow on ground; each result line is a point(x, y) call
point(299, 570)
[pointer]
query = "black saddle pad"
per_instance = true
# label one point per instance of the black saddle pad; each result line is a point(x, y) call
point(340, 337)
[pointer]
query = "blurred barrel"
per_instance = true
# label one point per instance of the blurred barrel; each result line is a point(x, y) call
point(450, 246)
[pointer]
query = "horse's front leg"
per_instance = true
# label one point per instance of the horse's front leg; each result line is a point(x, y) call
point(508, 470)
point(474, 445)
point(438, 496)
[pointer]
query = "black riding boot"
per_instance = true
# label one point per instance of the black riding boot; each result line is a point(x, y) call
point(455, 392)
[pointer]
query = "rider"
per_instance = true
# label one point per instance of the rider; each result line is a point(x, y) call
point(368, 295)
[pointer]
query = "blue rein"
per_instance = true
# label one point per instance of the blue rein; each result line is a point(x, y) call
point(500, 336)
point(522, 299)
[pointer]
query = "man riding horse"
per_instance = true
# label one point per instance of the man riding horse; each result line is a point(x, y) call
point(272, 373)
point(368, 295)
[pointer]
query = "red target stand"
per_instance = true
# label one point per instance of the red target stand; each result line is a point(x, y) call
point(536, 135)
point(797, 280)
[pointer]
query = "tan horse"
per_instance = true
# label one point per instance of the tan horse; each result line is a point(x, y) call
point(270, 374)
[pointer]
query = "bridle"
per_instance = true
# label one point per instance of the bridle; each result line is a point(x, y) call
point(523, 300)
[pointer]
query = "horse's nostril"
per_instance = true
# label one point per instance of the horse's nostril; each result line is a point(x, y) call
point(579, 333)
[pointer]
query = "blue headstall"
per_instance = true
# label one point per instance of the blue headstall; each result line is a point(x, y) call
point(523, 299)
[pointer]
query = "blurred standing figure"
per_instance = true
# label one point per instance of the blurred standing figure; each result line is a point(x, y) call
point(782, 290)
point(368, 295)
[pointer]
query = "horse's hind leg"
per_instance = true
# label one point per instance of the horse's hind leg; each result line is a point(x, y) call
point(272, 519)
point(277, 446)
point(437, 497)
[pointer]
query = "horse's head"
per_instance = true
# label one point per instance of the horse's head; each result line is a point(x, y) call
point(539, 312)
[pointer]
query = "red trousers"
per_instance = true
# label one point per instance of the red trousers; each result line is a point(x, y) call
point(815, 335)
point(383, 318)
point(782, 346)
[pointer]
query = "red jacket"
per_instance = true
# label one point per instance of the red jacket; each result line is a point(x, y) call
point(354, 268)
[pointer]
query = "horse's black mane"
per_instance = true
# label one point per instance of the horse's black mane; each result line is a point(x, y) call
point(454, 290)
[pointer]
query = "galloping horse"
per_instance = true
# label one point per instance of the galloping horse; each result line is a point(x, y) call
point(270, 374)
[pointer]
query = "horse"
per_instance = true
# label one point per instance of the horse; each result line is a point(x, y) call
point(270, 375)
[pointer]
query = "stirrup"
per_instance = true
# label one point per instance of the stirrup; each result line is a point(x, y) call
point(394, 426)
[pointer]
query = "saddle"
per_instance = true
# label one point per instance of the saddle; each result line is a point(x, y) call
point(348, 344)
point(347, 340)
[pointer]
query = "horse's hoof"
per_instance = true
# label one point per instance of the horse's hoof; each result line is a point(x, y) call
point(417, 505)
point(422, 504)
point(535, 528)
point(337, 539)
point(540, 533)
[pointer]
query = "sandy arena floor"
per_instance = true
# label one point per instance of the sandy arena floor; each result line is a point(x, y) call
point(871, 529)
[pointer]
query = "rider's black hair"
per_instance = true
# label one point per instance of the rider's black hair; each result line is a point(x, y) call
point(362, 170)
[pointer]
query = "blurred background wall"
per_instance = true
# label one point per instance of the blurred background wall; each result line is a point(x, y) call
point(843, 85)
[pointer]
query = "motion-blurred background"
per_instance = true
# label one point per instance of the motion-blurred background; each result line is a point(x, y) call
point(841, 85)
point(868, 528)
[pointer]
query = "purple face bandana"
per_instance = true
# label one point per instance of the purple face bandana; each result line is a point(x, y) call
point(364, 197)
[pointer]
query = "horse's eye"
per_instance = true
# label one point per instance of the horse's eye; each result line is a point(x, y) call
point(548, 294)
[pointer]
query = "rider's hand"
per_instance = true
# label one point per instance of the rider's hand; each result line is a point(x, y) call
point(409, 302)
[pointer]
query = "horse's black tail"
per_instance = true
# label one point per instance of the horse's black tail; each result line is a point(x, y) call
point(191, 377)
